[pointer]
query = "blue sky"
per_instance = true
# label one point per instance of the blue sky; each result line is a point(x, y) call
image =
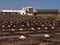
point(39, 4)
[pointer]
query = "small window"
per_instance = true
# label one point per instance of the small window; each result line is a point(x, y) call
point(6, 13)
point(9, 13)
point(16, 13)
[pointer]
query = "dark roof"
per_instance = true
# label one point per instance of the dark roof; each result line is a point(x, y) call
point(47, 10)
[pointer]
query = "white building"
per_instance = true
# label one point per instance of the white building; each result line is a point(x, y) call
point(24, 11)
